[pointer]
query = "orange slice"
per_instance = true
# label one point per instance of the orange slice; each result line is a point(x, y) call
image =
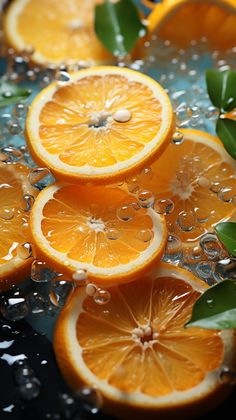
point(96, 229)
point(103, 125)
point(57, 31)
point(136, 351)
point(182, 21)
point(16, 194)
point(188, 181)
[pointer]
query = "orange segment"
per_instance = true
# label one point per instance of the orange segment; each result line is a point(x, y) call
point(13, 222)
point(137, 351)
point(182, 21)
point(81, 227)
point(74, 129)
point(190, 175)
point(58, 32)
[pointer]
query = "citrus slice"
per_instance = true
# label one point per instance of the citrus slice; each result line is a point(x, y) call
point(16, 194)
point(101, 230)
point(58, 32)
point(182, 21)
point(194, 183)
point(136, 351)
point(102, 125)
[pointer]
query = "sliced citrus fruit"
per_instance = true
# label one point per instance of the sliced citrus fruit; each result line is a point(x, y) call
point(193, 183)
point(58, 32)
point(16, 195)
point(136, 351)
point(182, 21)
point(96, 229)
point(104, 124)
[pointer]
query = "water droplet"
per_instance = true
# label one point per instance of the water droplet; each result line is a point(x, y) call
point(215, 187)
point(174, 249)
point(146, 174)
point(203, 182)
point(112, 233)
point(15, 307)
point(210, 303)
point(37, 174)
point(228, 376)
point(91, 398)
point(68, 405)
point(101, 297)
point(164, 206)
point(182, 117)
point(177, 138)
point(60, 291)
point(24, 251)
point(145, 235)
point(62, 78)
point(37, 303)
point(23, 374)
point(26, 202)
point(40, 272)
point(122, 115)
point(210, 245)
point(19, 110)
point(6, 213)
point(226, 194)
point(91, 289)
point(125, 213)
point(80, 277)
point(204, 270)
point(201, 215)
point(30, 390)
point(212, 113)
point(225, 269)
point(186, 221)
point(146, 198)
point(15, 128)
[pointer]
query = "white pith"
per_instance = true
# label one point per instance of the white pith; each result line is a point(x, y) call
point(175, 398)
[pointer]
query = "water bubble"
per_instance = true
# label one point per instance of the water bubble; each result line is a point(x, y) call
point(145, 235)
point(125, 213)
point(228, 376)
point(204, 270)
point(112, 233)
point(174, 249)
point(23, 374)
point(30, 390)
point(80, 276)
point(91, 289)
point(91, 398)
point(7, 213)
point(15, 307)
point(210, 303)
point(164, 206)
point(212, 113)
point(101, 297)
point(26, 202)
point(60, 292)
point(226, 194)
point(37, 303)
point(24, 251)
point(177, 138)
point(37, 174)
point(146, 198)
point(40, 272)
point(210, 245)
point(186, 221)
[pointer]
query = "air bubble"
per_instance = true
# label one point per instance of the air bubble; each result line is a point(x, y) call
point(125, 213)
point(164, 206)
point(146, 198)
point(177, 138)
point(186, 221)
point(26, 202)
point(91, 398)
point(101, 297)
point(24, 251)
point(145, 235)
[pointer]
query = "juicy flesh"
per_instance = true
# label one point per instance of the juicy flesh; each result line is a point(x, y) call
point(184, 174)
point(15, 230)
point(77, 226)
point(195, 20)
point(77, 124)
point(138, 342)
point(61, 30)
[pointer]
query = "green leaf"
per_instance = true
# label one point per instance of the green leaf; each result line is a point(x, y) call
point(226, 130)
point(227, 234)
point(11, 94)
point(118, 26)
point(216, 308)
point(221, 86)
